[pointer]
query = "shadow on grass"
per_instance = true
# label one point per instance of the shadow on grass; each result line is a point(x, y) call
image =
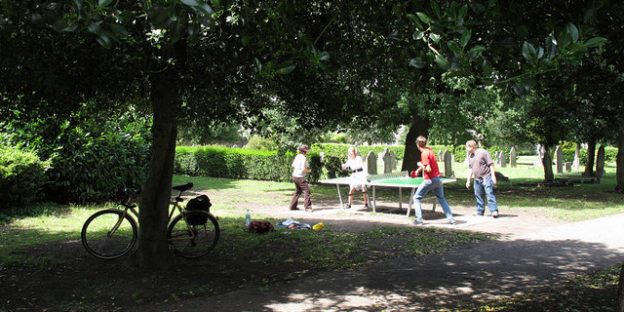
point(464, 279)
point(205, 183)
point(33, 210)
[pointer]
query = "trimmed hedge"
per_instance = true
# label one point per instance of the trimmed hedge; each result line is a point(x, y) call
point(22, 175)
point(340, 150)
point(240, 163)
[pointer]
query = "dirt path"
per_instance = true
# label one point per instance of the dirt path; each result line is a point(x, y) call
point(533, 253)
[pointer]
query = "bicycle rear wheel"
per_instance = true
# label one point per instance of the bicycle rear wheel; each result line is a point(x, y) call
point(109, 234)
point(193, 241)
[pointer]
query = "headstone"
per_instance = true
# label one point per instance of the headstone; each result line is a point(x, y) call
point(576, 163)
point(559, 159)
point(371, 163)
point(440, 155)
point(568, 166)
point(540, 156)
point(448, 164)
point(600, 162)
point(512, 157)
point(389, 160)
point(503, 161)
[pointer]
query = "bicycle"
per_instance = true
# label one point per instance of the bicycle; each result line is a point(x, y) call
point(112, 233)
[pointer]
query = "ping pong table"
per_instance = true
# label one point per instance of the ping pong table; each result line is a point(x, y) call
point(398, 180)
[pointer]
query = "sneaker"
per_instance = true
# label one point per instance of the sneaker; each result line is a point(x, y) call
point(366, 206)
point(309, 210)
point(495, 214)
point(418, 223)
point(452, 222)
point(348, 206)
point(479, 214)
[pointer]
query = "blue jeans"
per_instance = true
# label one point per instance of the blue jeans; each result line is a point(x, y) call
point(481, 185)
point(436, 186)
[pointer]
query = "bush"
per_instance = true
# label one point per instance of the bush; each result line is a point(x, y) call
point(235, 163)
point(22, 175)
point(91, 167)
point(340, 150)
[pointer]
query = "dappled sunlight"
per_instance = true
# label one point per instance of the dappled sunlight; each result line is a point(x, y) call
point(460, 278)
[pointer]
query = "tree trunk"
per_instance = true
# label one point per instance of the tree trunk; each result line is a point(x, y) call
point(547, 163)
point(153, 251)
point(591, 156)
point(411, 156)
point(620, 301)
point(620, 161)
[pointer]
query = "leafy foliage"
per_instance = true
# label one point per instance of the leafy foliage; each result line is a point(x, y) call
point(22, 176)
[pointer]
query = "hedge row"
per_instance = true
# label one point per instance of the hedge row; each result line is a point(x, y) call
point(238, 163)
point(610, 154)
point(22, 175)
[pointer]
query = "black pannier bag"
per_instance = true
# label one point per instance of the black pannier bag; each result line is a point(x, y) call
point(201, 202)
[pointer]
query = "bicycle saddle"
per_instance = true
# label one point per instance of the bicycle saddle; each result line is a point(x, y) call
point(183, 187)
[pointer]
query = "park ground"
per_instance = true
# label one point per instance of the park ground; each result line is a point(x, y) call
point(43, 265)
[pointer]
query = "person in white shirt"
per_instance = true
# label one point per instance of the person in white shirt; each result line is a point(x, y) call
point(358, 176)
point(300, 168)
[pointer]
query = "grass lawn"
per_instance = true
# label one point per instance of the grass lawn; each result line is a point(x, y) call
point(43, 264)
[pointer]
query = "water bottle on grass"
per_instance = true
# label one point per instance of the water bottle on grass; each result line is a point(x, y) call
point(247, 219)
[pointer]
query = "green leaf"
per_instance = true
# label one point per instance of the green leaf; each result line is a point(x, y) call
point(540, 53)
point(477, 50)
point(454, 47)
point(573, 32)
point(286, 70)
point(424, 17)
point(594, 42)
point(324, 56)
point(94, 27)
point(465, 38)
point(486, 67)
point(104, 3)
point(435, 37)
point(435, 7)
point(417, 62)
point(414, 20)
point(104, 40)
point(417, 35)
point(192, 3)
point(442, 61)
point(528, 52)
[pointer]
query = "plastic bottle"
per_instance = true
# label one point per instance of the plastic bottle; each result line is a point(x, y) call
point(247, 218)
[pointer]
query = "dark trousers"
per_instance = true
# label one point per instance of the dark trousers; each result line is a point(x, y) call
point(302, 187)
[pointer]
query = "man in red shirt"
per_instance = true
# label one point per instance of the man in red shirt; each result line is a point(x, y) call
point(431, 182)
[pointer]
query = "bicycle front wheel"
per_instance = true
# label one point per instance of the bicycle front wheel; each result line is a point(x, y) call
point(191, 240)
point(109, 234)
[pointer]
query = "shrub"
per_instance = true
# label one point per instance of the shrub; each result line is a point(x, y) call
point(236, 163)
point(22, 175)
point(91, 167)
point(340, 150)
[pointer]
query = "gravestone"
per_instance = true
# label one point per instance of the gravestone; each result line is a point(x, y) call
point(559, 159)
point(503, 161)
point(448, 164)
point(371, 163)
point(440, 155)
point(512, 157)
point(576, 163)
point(600, 162)
point(568, 166)
point(540, 156)
point(389, 160)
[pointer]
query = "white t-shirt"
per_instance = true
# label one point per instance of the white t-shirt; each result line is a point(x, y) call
point(355, 163)
point(299, 164)
point(358, 179)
